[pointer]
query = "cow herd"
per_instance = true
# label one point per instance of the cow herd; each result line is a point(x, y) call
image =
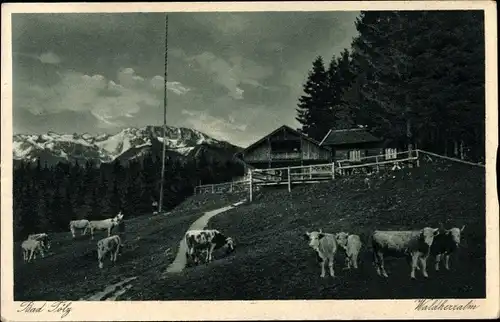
point(93, 225)
point(413, 245)
point(40, 243)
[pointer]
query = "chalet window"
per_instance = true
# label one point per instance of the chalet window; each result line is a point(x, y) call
point(355, 155)
point(390, 153)
point(285, 146)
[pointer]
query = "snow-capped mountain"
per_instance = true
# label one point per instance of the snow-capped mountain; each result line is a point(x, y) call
point(128, 144)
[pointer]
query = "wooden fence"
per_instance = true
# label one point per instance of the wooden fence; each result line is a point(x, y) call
point(256, 178)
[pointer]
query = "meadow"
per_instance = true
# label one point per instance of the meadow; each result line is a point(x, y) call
point(272, 260)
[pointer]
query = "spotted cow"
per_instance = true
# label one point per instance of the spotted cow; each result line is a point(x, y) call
point(206, 241)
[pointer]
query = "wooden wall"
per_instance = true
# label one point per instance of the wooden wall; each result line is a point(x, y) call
point(311, 151)
point(343, 153)
point(258, 154)
point(308, 150)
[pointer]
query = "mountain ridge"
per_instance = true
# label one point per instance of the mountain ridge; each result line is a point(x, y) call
point(128, 144)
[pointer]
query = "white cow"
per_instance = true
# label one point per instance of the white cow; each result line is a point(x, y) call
point(206, 240)
point(78, 224)
point(351, 244)
point(445, 244)
point(30, 247)
point(106, 224)
point(109, 245)
point(43, 238)
point(325, 247)
point(414, 244)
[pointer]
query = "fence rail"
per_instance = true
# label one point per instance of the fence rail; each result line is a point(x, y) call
point(236, 186)
point(256, 178)
point(452, 159)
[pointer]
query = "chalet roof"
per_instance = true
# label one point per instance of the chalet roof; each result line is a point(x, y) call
point(348, 136)
point(251, 146)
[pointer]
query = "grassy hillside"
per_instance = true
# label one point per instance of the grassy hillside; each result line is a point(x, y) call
point(272, 261)
point(71, 272)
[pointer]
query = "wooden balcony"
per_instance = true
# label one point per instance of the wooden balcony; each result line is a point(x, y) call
point(285, 155)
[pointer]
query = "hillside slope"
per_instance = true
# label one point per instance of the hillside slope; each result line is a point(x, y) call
point(70, 272)
point(272, 261)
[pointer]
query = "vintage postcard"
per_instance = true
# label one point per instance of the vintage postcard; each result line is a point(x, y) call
point(249, 161)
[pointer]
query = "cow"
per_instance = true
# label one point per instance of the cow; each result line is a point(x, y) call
point(43, 238)
point(412, 244)
point(106, 224)
point(445, 243)
point(78, 224)
point(107, 245)
point(325, 246)
point(206, 241)
point(30, 247)
point(351, 244)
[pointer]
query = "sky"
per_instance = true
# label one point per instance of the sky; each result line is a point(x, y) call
point(233, 76)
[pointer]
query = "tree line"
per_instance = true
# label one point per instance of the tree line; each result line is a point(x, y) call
point(412, 77)
point(46, 197)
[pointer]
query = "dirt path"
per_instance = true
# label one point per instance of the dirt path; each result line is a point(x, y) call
point(180, 260)
point(111, 292)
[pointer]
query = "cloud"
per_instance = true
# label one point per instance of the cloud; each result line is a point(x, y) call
point(217, 127)
point(108, 101)
point(45, 58)
point(230, 74)
point(128, 78)
point(49, 58)
point(176, 87)
point(221, 71)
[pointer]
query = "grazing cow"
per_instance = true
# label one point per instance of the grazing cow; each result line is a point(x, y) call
point(351, 245)
point(414, 244)
point(206, 241)
point(30, 247)
point(444, 244)
point(325, 247)
point(78, 224)
point(109, 245)
point(43, 238)
point(106, 224)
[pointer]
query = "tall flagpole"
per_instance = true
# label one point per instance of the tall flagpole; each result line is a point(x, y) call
point(160, 205)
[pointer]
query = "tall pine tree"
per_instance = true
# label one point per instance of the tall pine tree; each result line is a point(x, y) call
point(314, 108)
point(340, 77)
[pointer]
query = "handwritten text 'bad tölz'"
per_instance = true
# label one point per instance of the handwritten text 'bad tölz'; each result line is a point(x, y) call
point(61, 307)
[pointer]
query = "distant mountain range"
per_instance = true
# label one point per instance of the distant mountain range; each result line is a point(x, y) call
point(128, 144)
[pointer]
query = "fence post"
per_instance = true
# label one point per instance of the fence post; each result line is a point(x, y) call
point(333, 170)
point(250, 181)
point(418, 161)
point(289, 181)
point(213, 189)
point(376, 161)
point(310, 172)
point(231, 187)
